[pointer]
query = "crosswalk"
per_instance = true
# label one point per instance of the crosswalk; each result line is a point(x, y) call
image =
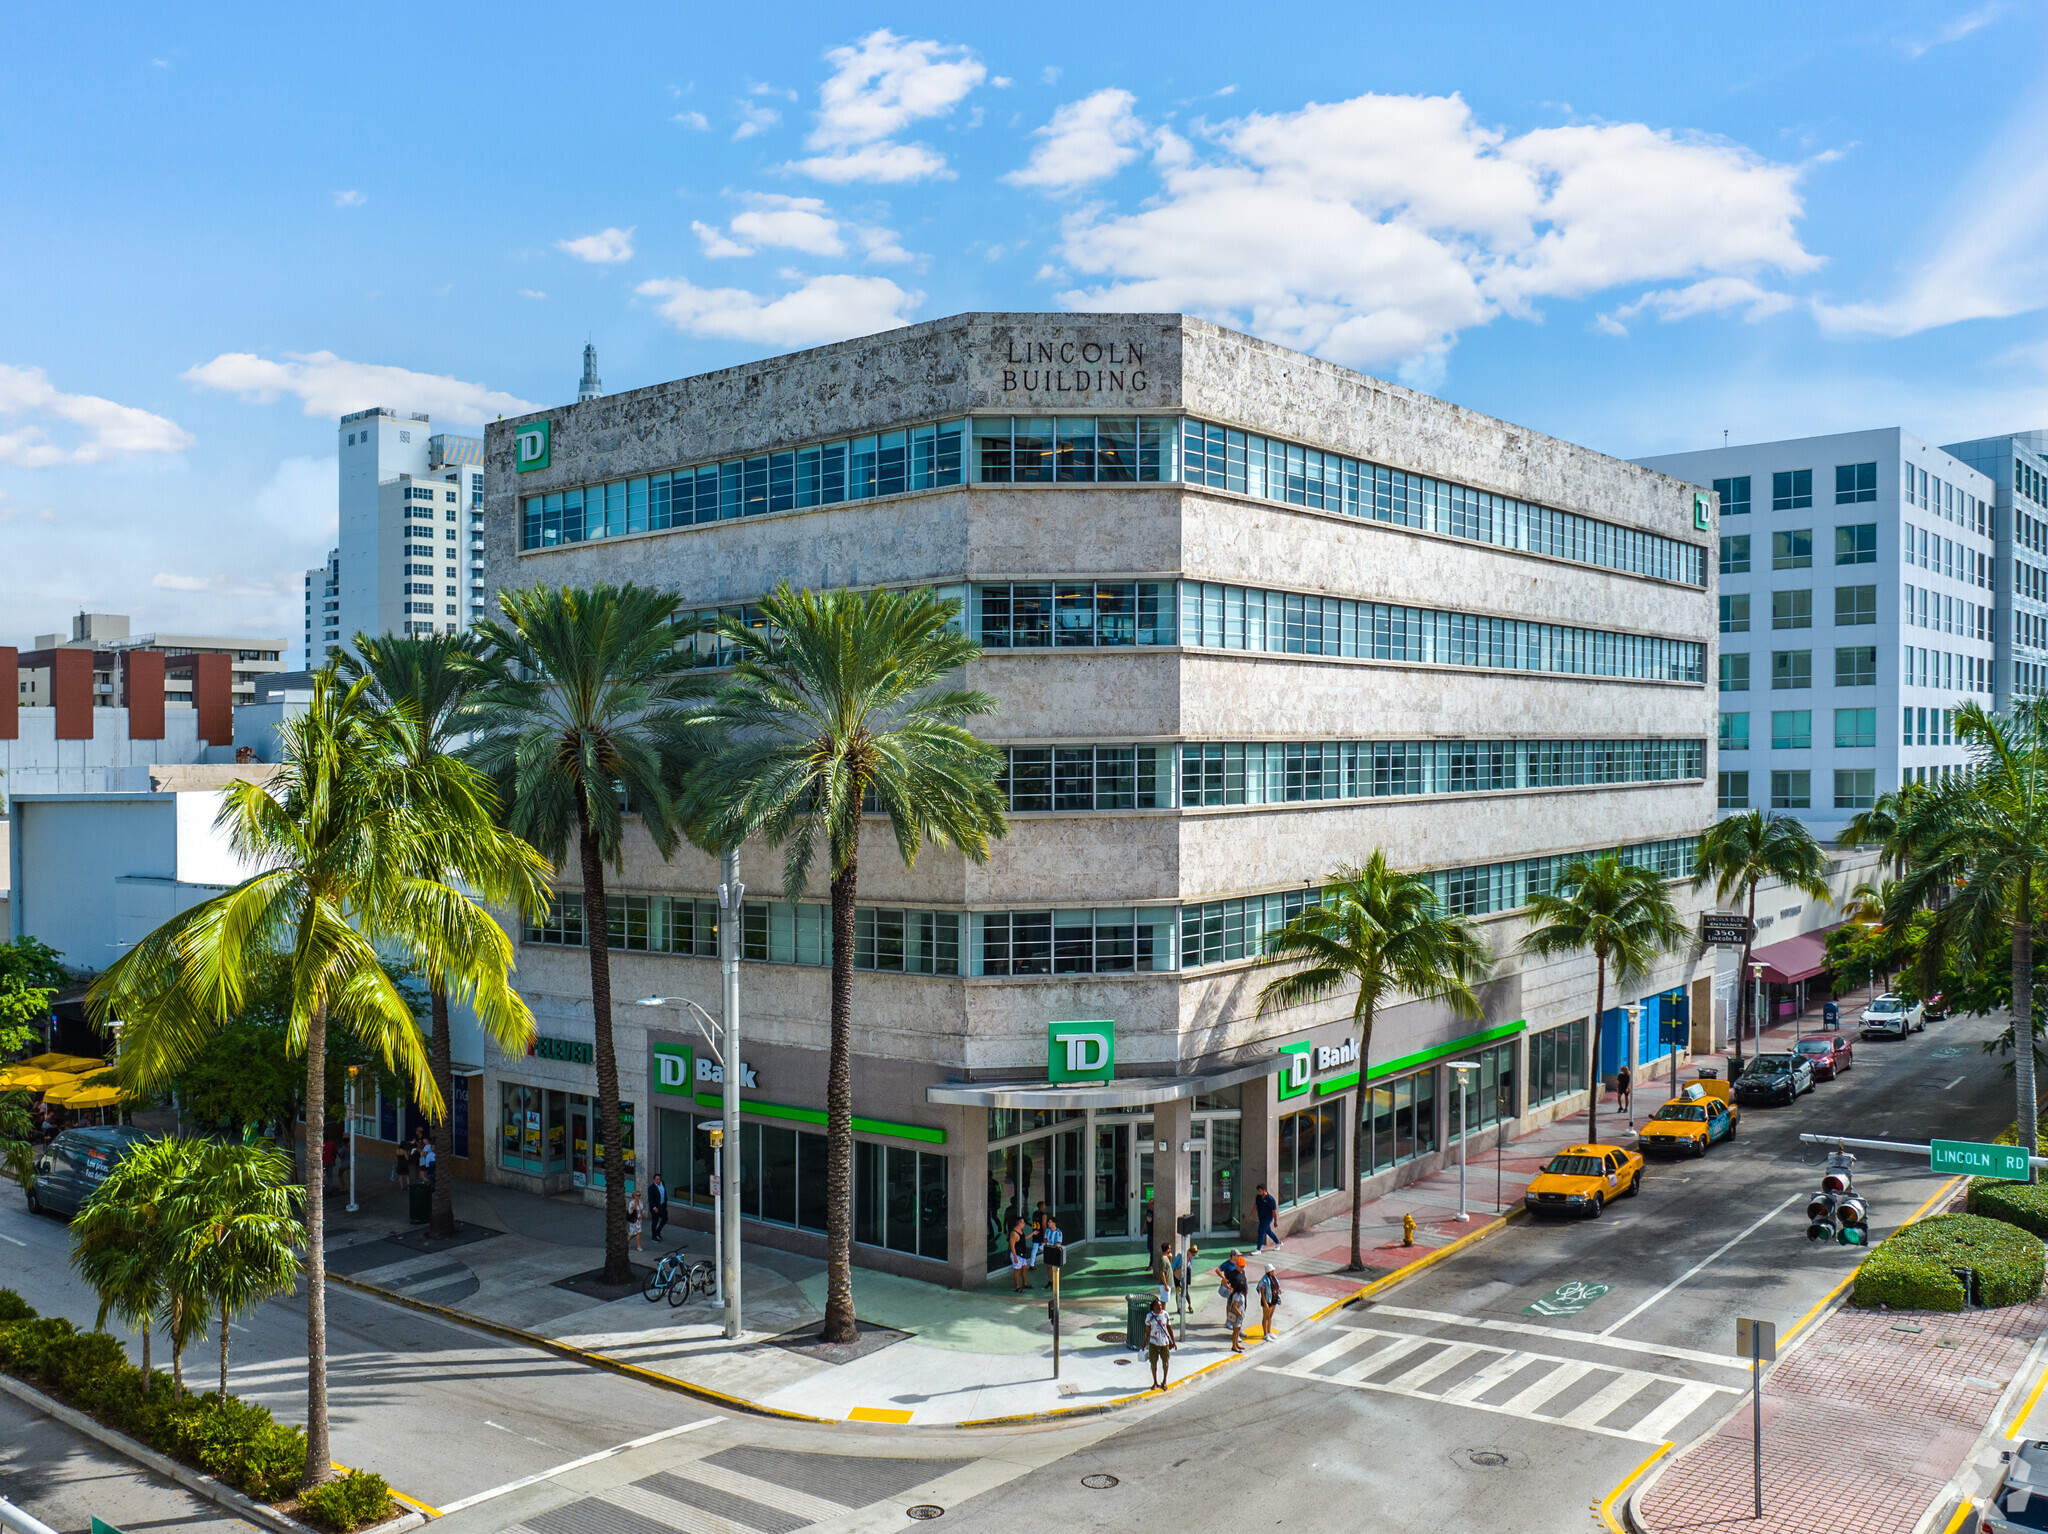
point(1589, 1395)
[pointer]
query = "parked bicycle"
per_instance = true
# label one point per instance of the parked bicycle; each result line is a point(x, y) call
point(663, 1275)
point(678, 1277)
point(697, 1277)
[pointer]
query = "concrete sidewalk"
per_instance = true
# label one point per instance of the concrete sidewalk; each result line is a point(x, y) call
point(929, 1355)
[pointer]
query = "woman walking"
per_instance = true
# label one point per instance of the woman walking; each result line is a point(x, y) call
point(634, 1209)
point(1269, 1301)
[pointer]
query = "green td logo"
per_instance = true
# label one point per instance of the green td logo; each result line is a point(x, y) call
point(1699, 511)
point(1300, 1069)
point(533, 446)
point(1080, 1051)
point(674, 1070)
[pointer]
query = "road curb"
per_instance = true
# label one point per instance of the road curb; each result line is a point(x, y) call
point(1408, 1270)
point(196, 1481)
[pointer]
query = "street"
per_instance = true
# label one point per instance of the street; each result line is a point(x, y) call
point(1446, 1403)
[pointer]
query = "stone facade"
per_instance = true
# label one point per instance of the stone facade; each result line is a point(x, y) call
point(914, 1032)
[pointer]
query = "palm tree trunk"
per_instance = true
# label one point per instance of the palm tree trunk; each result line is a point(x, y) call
point(618, 1267)
point(441, 1063)
point(2027, 1132)
point(223, 1350)
point(319, 1461)
point(1743, 996)
point(839, 1322)
point(178, 1344)
point(1357, 1263)
point(148, 1325)
point(1599, 1034)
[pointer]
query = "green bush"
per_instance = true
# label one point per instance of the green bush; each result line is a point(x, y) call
point(238, 1442)
point(1914, 1269)
point(14, 1308)
point(2016, 1203)
point(348, 1502)
point(25, 1344)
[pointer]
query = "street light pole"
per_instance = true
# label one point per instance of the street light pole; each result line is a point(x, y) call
point(354, 1084)
point(730, 893)
point(1632, 1050)
point(1756, 1038)
point(725, 1238)
point(1464, 1126)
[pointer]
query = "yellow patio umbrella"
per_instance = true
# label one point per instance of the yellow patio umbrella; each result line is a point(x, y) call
point(28, 1078)
point(76, 1063)
point(96, 1095)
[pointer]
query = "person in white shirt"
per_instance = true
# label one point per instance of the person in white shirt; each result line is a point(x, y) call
point(1159, 1342)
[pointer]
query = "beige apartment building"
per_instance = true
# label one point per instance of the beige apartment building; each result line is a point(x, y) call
point(106, 635)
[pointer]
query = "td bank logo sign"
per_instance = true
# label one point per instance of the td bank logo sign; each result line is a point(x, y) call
point(1307, 1060)
point(1080, 1051)
point(533, 446)
point(679, 1071)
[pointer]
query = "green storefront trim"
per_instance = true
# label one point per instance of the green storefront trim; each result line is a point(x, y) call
point(1445, 1051)
point(817, 1116)
point(1343, 1083)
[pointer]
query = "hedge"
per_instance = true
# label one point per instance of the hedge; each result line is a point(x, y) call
point(1913, 1269)
point(231, 1440)
point(2016, 1203)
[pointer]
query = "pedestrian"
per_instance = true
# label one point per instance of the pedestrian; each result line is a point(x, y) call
point(1234, 1291)
point(401, 1166)
point(1623, 1084)
point(1162, 1267)
point(1267, 1208)
point(1269, 1301)
point(327, 1163)
point(1145, 1233)
point(1020, 1255)
point(657, 1206)
point(1177, 1279)
point(429, 1161)
point(1159, 1342)
point(634, 1209)
point(1038, 1219)
point(1053, 1241)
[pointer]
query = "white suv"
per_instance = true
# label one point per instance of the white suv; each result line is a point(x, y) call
point(1892, 1017)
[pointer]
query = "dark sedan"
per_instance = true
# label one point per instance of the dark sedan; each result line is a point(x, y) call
point(1828, 1056)
point(1774, 1078)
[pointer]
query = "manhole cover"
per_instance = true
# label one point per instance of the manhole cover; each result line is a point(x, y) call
point(1109, 1336)
point(925, 1510)
point(1490, 1459)
point(1098, 1482)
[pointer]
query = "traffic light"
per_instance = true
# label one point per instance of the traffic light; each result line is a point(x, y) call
point(1820, 1216)
point(1836, 1213)
point(1854, 1217)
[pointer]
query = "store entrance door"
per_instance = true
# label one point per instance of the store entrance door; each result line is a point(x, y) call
point(1110, 1212)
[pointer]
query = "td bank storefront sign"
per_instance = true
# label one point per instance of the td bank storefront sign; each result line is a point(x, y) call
point(679, 1070)
point(1080, 1051)
point(1326, 1067)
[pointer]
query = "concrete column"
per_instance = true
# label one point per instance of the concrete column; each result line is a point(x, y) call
point(142, 693)
point(1172, 1194)
point(10, 693)
point(71, 692)
point(1261, 1149)
point(967, 1197)
point(213, 696)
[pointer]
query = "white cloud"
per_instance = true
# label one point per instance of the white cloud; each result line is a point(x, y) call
point(790, 223)
point(103, 429)
point(883, 245)
point(1085, 141)
point(716, 245)
point(829, 308)
point(331, 386)
point(754, 120)
point(1958, 29)
point(607, 247)
point(1712, 295)
point(879, 87)
point(350, 198)
point(1374, 230)
point(696, 120)
point(531, 293)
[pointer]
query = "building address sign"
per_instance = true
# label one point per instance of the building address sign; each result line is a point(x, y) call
point(1074, 367)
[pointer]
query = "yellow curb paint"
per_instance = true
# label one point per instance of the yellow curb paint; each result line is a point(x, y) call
point(1606, 1507)
point(1819, 1305)
point(1408, 1270)
point(1025, 1419)
point(396, 1496)
point(877, 1414)
point(2026, 1409)
point(1962, 1516)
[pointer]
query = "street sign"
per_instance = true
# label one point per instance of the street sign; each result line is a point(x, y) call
point(1725, 929)
point(2004, 1161)
point(1765, 1345)
point(1566, 1300)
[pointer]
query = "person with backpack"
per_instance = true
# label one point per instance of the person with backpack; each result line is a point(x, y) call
point(1269, 1301)
point(1159, 1342)
point(1234, 1292)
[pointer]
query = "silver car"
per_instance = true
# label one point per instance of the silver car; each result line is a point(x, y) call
point(1891, 1016)
point(2020, 1503)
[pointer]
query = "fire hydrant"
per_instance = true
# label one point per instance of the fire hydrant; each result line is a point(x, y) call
point(1407, 1230)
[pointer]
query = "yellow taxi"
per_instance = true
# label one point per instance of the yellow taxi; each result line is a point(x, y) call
point(1695, 1119)
point(1580, 1179)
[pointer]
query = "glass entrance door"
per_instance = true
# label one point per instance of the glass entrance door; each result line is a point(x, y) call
point(1111, 1215)
point(1142, 1176)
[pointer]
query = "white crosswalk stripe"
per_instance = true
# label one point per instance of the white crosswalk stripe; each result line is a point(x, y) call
point(1542, 1377)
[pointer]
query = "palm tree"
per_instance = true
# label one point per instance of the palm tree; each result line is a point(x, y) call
point(423, 679)
point(338, 837)
point(1866, 908)
point(1624, 915)
point(1739, 853)
point(120, 1241)
point(236, 1218)
point(1386, 932)
point(582, 709)
point(1879, 826)
point(1982, 838)
point(840, 705)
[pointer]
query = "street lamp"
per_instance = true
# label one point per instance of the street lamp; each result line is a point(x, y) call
point(1756, 1037)
point(728, 1295)
point(1635, 1023)
point(354, 1082)
point(1464, 1126)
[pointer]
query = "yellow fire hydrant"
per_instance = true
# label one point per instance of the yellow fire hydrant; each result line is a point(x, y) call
point(1407, 1230)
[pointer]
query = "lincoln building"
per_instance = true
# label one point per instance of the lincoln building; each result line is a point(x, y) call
point(1249, 616)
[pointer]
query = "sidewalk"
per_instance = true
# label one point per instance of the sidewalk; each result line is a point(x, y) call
point(928, 1354)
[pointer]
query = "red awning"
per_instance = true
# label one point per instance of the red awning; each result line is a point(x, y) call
point(1797, 958)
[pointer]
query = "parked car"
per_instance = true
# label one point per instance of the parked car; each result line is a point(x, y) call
point(1774, 1078)
point(1892, 1017)
point(1934, 1009)
point(1828, 1056)
point(75, 1163)
point(1699, 1116)
point(2020, 1504)
point(1580, 1179)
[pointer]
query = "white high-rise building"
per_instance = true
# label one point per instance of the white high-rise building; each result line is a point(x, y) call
point(2017, 463)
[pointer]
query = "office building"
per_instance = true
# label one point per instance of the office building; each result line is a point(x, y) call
point(2017, 464)
point(106, 649)
point(323, 610)
point(1859, 608)
point(1249, 616)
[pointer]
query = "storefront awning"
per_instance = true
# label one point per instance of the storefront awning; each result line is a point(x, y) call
point(1795, 959)
point(1126, 1092)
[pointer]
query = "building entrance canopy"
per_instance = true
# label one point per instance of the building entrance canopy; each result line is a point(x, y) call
point(1126, 1092)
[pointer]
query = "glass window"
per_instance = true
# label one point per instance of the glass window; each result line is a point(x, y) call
point(1557, 1063)
point(1792, 729)
point(1792, 549)
point(1734, 495)
point(1792, 790)
point(1791, 670)
point(1735, 554)
point(1855, 727)
point(1856, 666)
point(1735, 612)
point(1399, 1120)
point(1735, 732)
point(1856, 544)
point(1855, 482)
point(1735, 673)
point(1792, 609)
point(1732, 790)
point(1791, 489)
point(1855, 605)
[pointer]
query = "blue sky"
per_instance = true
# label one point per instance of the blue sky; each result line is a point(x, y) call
point(225, 226)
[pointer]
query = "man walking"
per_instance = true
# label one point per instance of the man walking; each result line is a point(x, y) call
point(1624, 1084)
point(1236, 1292)
point(1267, 1208)
point(657, 1206)
point(1159, 1342)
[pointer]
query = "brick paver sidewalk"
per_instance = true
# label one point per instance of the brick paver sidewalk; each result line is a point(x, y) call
point(1864, 1424)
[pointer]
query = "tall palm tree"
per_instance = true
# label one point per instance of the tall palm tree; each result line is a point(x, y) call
point(1625, 916)
point(1385, 932)
point(423, 679)
point(582, 708)
point(1879, 826)
point(236, 1217)
point(337, 838)
point(1741, 852)
point(1983, 839)
point(842, 704)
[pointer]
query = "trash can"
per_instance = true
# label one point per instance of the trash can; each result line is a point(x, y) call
point(419, 1202)
point(1136, 1308)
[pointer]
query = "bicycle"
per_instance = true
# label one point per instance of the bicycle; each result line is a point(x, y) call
point(698, 1276)
point(663, 1276)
